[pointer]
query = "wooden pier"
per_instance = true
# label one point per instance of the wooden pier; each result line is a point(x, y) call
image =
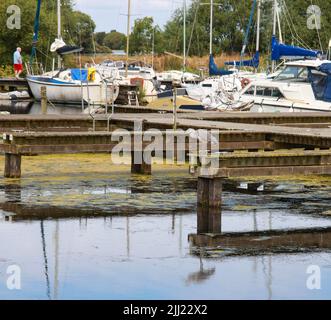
point(250, 144)
point(12, 84)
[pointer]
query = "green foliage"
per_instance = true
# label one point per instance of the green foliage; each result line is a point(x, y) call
point(80, 29)
point(100, 37)
point(231, 18)
point(77, 28)
point(299, 33)
point(114, 40)
point(143, 35)
point(6, 71)
point(230, 21)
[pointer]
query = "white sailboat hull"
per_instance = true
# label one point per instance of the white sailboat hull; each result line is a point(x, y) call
point(73, 93)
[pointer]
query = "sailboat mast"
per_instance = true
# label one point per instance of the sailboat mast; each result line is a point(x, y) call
point(184, 37)
point(59, 28)
point(258, 25)
point(211, 27)
point(279, 27)
point(274, 30)
point(128, 39)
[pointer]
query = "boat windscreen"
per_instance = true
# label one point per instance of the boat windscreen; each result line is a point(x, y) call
point(293, 74)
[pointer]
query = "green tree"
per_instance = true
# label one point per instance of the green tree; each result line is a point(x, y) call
point(100, 38)
point(294, 23)
point(72, 32)
point(143, 34)
point(115, 40)
point(80, 29)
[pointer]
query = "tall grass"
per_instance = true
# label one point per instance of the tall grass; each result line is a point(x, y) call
point(165, 62)
point(6, 71)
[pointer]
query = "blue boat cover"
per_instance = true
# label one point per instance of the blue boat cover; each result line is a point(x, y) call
point(79, 74)
point(214, 70)
point(254, 62)
point(321, 82)
point(280, 51)
point(35, 32)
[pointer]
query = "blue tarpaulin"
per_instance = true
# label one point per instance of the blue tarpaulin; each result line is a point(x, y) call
point(321, 82)
point(213, 69)
point(79, 74)
point(254, 63)
point(280, 51)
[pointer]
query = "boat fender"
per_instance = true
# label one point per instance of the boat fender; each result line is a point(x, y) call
point(139, 82)
point(245, 82)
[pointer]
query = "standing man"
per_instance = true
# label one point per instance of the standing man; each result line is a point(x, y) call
point(18, 63)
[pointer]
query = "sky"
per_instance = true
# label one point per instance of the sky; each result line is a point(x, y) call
point(110, 14)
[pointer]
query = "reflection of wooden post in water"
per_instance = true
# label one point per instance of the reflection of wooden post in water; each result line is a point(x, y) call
point(128, 236)
point(209, 205)
point(43, 241)
point(56, 258)
point(13, 192)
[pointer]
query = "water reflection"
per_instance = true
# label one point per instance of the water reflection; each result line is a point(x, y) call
point(42, 232)
point(203, 274)
point(95, 248)
point(32, 107)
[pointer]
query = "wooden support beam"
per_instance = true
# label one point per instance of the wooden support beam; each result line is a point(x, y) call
point(266, 241)
point(12, 165)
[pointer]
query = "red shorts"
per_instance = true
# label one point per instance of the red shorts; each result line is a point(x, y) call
point(18, 67)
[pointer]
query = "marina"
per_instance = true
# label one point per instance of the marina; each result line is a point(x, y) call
point(184, 155)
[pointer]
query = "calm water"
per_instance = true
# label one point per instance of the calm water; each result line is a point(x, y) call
point(79, 228)
point(106, 235)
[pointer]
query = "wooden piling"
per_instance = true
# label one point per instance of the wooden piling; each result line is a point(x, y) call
point(210, 192)
point(12, 165)
point(43, 94)
point(144, 166)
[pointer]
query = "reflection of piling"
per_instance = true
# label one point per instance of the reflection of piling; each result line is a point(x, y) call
point(43, 94)
point(13, 193)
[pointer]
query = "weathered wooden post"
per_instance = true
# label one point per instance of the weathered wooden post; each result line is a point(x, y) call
point(12, 165)
point(140, 163)
point(43, 94)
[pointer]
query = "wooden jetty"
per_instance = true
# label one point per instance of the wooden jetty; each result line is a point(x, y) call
point(250, 144)
point(12, 84)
